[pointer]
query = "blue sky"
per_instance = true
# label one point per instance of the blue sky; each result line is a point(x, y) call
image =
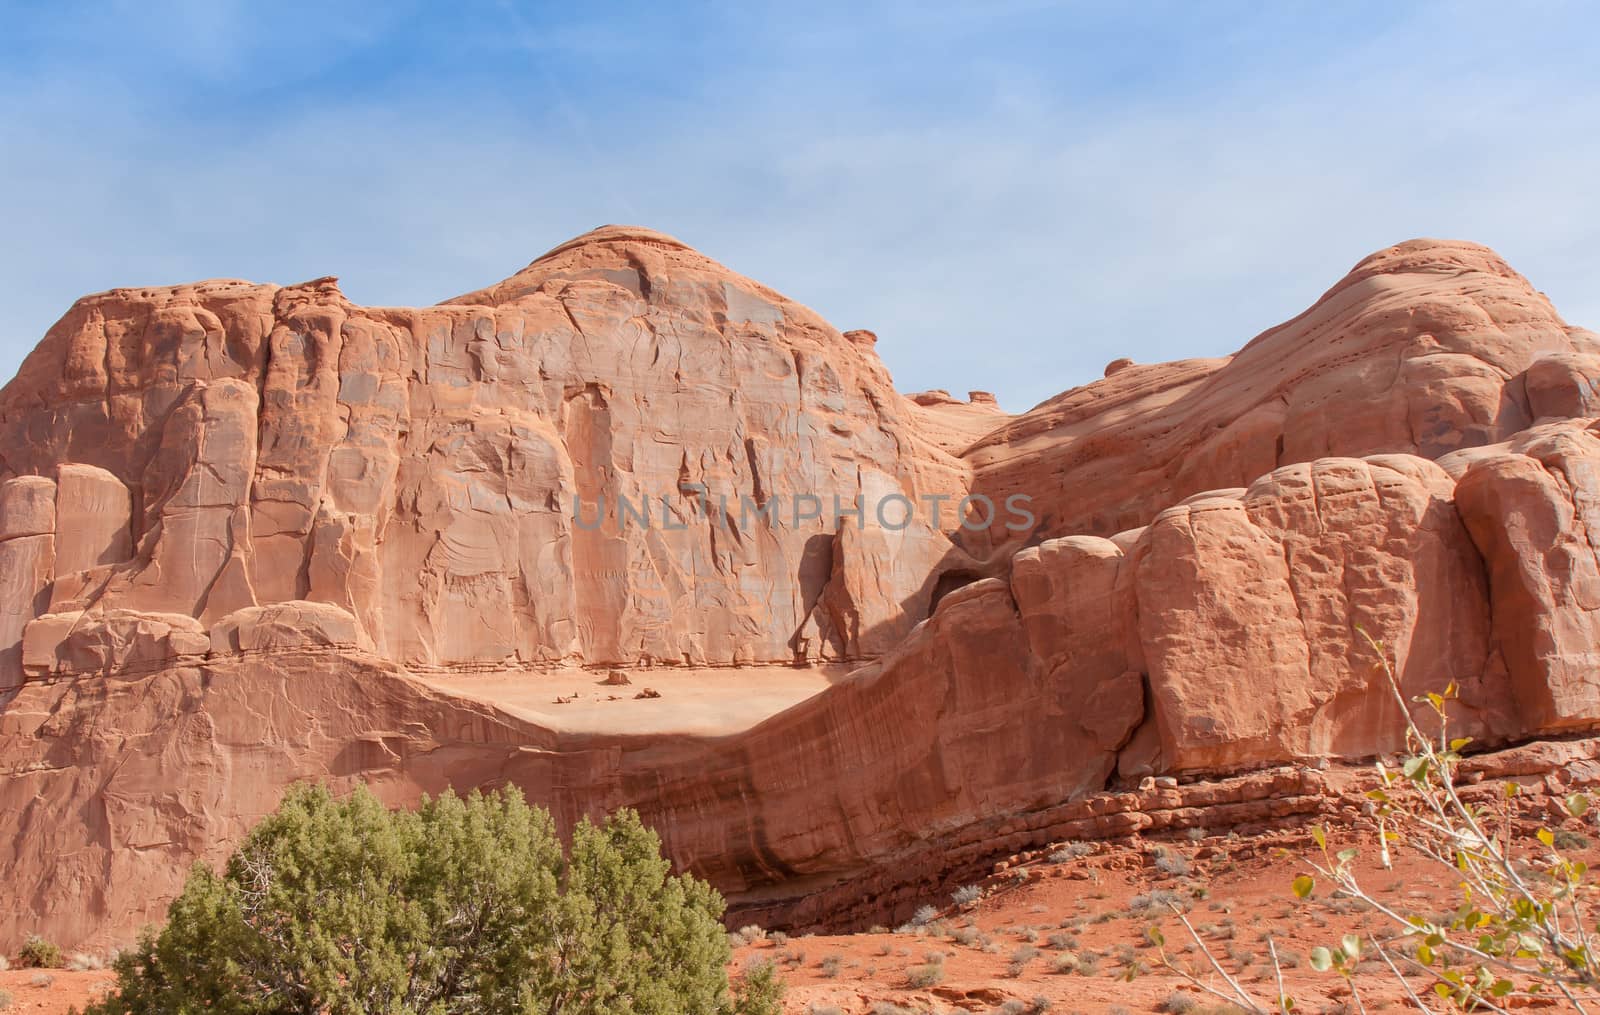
point(1010, 193)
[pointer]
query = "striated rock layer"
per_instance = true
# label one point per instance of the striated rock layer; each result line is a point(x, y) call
point(254, 534)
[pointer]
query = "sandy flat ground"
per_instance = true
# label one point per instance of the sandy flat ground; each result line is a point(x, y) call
point(700, 701)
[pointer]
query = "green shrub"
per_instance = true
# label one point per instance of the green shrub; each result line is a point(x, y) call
point(758, 991)
point(1064, 963)
point(1071, 851)
point(345, 907)
point(1179, 1003)
point(1570, 840)
point(747, 935)
point(926, 975)
point(37, 953)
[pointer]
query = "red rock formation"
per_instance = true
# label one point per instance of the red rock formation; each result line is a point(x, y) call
point(1534, 511)
point(252, 534)
point(955, 425)
point(1252, 610)
point(1422, 349)
point(224, 446)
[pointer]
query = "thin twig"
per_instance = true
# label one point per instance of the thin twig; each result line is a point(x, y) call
point(1400, 977)
point(1476, 995)
point(1277, 971)
point(1244, 998)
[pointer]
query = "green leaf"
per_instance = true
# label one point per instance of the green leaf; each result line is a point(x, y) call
point(1303, 885)
point(1578, 805)
point(362, 908)
point(1351, 944)
point(1321, 959)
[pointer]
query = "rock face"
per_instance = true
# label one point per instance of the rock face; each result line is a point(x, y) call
point(1423, 348)
point(1254, 611)
point(1534, 511)
point(222, 446)
point(254, 534)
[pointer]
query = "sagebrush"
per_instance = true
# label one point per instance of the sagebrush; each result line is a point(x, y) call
point(461, 907)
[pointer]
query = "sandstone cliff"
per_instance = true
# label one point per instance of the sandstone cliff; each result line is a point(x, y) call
point(1424, 348)
point(223, 446)
point(253, 534)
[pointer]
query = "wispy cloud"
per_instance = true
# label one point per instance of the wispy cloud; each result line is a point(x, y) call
point(1010, 201)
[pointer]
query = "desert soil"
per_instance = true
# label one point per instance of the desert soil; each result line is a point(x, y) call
point(1075, 935)
point(702, 701)
point(1068, 933)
